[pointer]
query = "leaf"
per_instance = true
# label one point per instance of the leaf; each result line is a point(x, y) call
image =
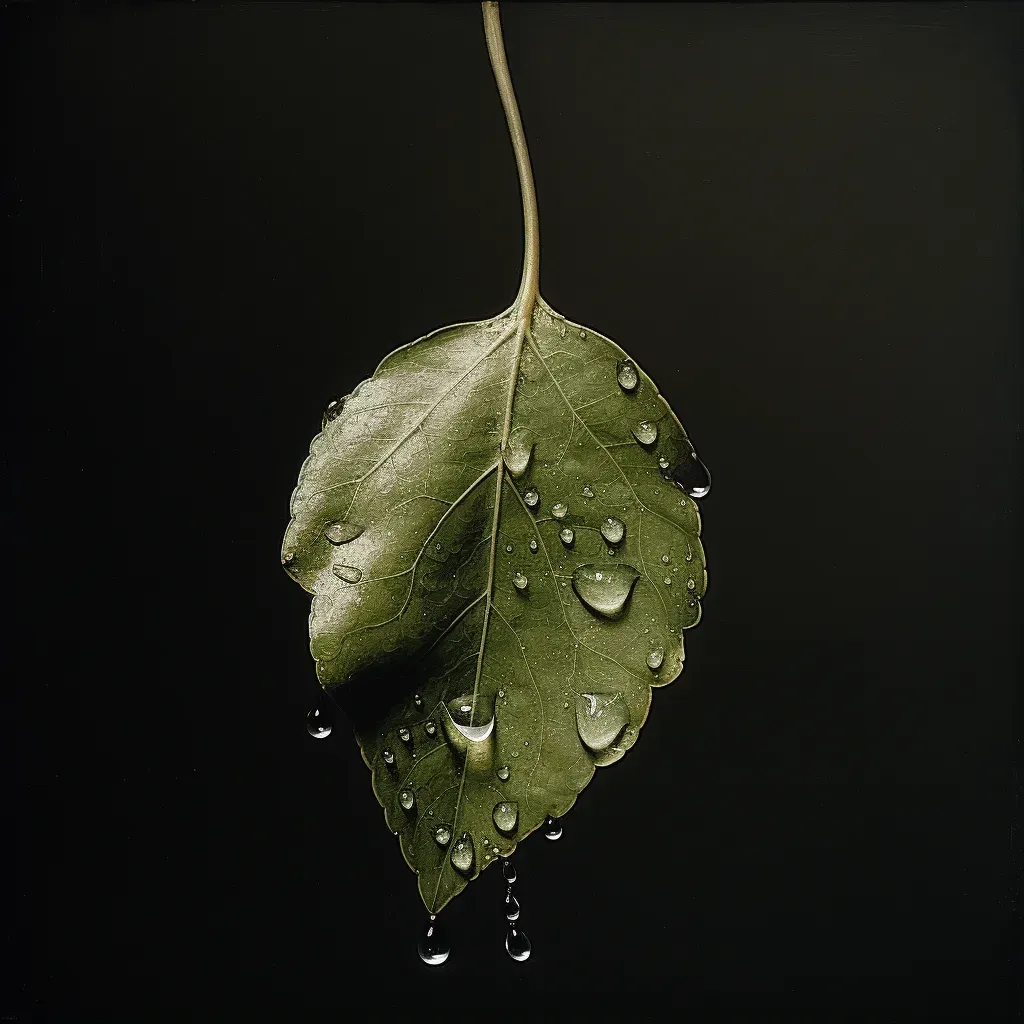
point(503, 557)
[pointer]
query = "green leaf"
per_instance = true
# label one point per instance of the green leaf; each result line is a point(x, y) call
point(502, 566)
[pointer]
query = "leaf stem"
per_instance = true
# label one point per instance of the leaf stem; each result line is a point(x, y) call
point(529, 285)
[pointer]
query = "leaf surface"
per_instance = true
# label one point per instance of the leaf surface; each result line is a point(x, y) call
point(502, 566)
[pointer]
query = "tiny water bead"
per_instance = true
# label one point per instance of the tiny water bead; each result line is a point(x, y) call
point(613, 530)
point(332, 411)
point(663, 463)
point(655, 658)
point(690, 584)
point(509, 549)
point(517, 944)
point(626, 375)
point(533, 546)
point(442, 835)
point(319, 723)
point(511, 906)
point(503, 773)
point(348, 573)
point(552, 831)
point(433, 946)
point(646, 432)
point(566, 535)
point(342, 532)
point(407, 799)
point(559, 509)
point(388, 755)
point(508, 870)
point(692, 475)
point(430, 727)
point(532, 497)
point(587, 492)
point(520, 582)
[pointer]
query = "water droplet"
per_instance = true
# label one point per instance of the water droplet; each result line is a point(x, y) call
point(442, 835)
point(319, 723)
point(600, 719)
point(501, 693)
point(587, 492)
point(511, 906)
point(655, 658)
point(552, 828)
point(429, 727)
point(506, 816)
point(668, 581)
point(332, 410)
point(566, 536)
point(613, 530)
point(517, 944)
point(503, 773)
point(433, 945)
point(342, 532)
point(287, 558)
point(518, 453)
point(509, 549)
point(348, 573)
point(690, 584)
point(559, 509)
point(404, 735)
point(583, 334)
point(508, 869)
point(605, 590)
point(626, 375)
point(388, 755)
point(689, 553)
point(663, 463)
point(407, 799)
point(532, 497)
point(533, 546)
point(417, 700)
point(462, 854)
point(646, 432)
point(692, 475)
point(665, 559)
point(465, 716)
point(520, 581)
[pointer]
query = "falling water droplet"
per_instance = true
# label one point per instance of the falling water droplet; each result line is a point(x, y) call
point(429, 727)
point(404, 735)
point(348, 573)
point(626, 375)
point(646, 432)
point(462, 854)
point(508, 870)
point(566, 536)
point(503, 773)
point(342, 532)
point(613, 530)
point(511, 906)
point(332, 410)
point(605, 589)
point(519, 581)
point(600, 719)
point(407, 799)
point(442, 835)
point(388, 755)
point(587, 492)
point(531, 497)
point(559, 509)
point(433, 945)
point(318, 723)
point(692, 475)
point(552, 828)
point(506, 816)
point(655, 658)
point(517, 944)
point(533, 546)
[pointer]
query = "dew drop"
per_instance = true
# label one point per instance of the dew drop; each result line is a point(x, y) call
point(429, 727)
point(626, 375)
point(433, 945)
point(655, 658)
point(552, 828)
point(605, 590)
point(342, 532)
point(519, 581)
point(462, 854)
point(692, 475)
point(442, 835)
point(663, 463)
point(508, 870)
point(566, 536)
point(613, 530)
point(287, 558)
point(668, 581)
point(665, 559)
point(506, 816)
point(533, 546)
point(319, 723)
point(646, 432)
point(559, 509)
point(600, 719)
point(587, 492)
point(690, 584)
point(511, 906)
point(332, 411)
point(518, 454)
point(517, 944)
point(531, 497)
point(404, 735)
point(407, 799)
point(348, 573)
point(508, 549)
point(503, 773)
point(388, 755)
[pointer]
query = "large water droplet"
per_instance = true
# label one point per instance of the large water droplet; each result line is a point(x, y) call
point(517, 944)
point(503, 773)
point(506, 816)
point(342, 532)
point(407, 799)
point(566, 535)
point(646, 432)
point(348, 573)
point(433, 945)
point(462, 854)
point(442, 835)
point(332, 410)
point(465, 714)
point(511, 907)
point(518, 453)
point(613, 530)
point(600, 719)
point(605, 589)
point(626, 375)
point(532, 497)
point(519, 581)
point(655, 658)
point(319, 723)
point(552, 828)
point(508, 870)
point(559, 509)
point(692, 475)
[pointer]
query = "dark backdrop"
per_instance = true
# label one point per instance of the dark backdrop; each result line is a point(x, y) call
point(800, 220)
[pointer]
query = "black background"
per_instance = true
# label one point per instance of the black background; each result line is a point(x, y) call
point(801, 221)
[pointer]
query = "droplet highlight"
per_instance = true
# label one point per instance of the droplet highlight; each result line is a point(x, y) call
point(605, 589)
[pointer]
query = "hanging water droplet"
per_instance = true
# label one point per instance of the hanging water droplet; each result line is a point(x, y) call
point(511, 906)
point(552, 828)
point(655, 658)
point(613, 530)
point(519, 581)
point(503, 773)
point(342, 532)
point(692, 475)
point(600, 719)
point(587, 492)
point(517, 944)
point(442, 835)
point(663, 463)
point(332, 411)
point(518, 452)
point(433, 945)
point(533, 546)
point(388, 755)
point(429, 727)
point(508, 870)
point(626, 375)
point(646, 432)
point(531, 497)
point(404, 735)
point(506, 816)
point(319, 723)
point(462, 854)
point(348, 573)
point(559, 509)
point(406, 798)
point(566, 536)
point(605, 589)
